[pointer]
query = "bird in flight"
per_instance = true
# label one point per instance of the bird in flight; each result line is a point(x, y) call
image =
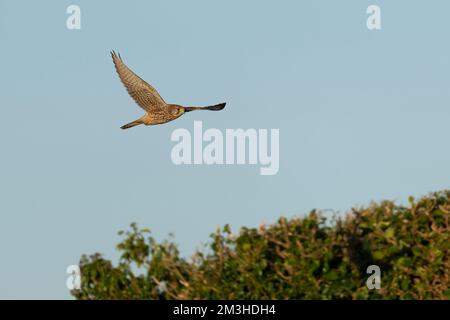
point(157, 111)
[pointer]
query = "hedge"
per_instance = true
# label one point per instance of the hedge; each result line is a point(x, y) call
point(309, 257)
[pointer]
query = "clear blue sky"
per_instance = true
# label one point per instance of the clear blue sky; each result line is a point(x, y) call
point(363, 115)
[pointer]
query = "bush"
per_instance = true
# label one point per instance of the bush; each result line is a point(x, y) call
point(299, 258)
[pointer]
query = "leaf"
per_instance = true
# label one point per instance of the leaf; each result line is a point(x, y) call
point(389, 233)
point(331, 275)
point(378, 255)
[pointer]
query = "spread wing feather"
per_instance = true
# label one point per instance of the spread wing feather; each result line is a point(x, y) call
point(144, 94)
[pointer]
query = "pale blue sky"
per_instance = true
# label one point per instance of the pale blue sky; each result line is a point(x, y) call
point(363, 115)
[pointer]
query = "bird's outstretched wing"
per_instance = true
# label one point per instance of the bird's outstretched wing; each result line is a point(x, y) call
point(144, 94)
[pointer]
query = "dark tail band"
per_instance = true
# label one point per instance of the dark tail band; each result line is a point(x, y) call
point(216, 107)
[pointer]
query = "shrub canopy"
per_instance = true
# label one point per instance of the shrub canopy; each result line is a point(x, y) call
point(298, 258)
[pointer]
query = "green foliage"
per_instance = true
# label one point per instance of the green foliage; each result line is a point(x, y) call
point(299, 258)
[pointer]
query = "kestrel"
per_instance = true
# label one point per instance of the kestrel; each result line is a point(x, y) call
point(157, 111)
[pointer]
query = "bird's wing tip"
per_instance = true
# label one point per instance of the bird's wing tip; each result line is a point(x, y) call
point(115, 55)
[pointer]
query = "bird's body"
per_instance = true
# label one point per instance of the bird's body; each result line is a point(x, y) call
point(157, 110)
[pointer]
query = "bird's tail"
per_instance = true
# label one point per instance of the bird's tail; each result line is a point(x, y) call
point(132, 124)
point(215, 107)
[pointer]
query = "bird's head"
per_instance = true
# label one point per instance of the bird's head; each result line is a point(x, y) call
point(176, 110)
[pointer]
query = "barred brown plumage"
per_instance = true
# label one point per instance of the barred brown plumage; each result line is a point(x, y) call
point(157, 110)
